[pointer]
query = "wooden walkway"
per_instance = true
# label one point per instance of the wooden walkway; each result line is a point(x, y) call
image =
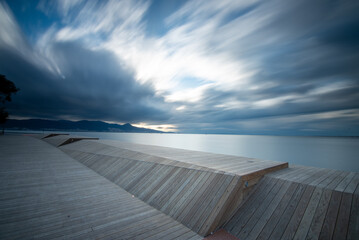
point(169, 193)
point(300, 203)
point(199, 196)
point(321, 177)
point(292, 203)
point(45, 194)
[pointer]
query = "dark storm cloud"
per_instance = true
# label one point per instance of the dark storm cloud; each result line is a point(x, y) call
point(306, 53)
point(111, 88)
point(304, 41)
point(69, 80)
point(342, 99)
point(92, 85)
point(326, 42)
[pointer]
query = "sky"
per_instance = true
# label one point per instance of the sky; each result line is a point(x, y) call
point(278, 67)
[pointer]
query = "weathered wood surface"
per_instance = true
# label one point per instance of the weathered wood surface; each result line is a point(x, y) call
point(300, 203)
point(201, 198)
point(248, 168)
point(45, 194)
point(294, 203)
point(204, 191)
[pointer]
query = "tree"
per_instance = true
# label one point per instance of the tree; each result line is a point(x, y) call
point(7, 88)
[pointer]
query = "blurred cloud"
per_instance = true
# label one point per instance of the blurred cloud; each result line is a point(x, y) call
point(89, 83)
point(199, 66)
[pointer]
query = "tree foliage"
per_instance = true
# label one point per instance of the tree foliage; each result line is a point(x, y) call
point(7, 88)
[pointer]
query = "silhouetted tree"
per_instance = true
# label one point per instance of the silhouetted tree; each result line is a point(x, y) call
point(6, 89)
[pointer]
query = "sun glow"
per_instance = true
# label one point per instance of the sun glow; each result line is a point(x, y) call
point(159, 127)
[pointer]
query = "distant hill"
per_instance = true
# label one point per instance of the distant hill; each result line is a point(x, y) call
point(72, 126)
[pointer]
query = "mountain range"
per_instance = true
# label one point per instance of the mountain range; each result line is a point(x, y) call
point(73, 126)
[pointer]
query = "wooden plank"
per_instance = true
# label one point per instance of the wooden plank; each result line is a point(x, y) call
point(353, 184)
point(297, 216)
point(119, 169)
point(345, 182)
point(128, 231)
point(304, 225)
point(204, 206)
point(353, 228)
point(326, 174)
point(177, 233)
point(131, 186)
point(104, 169)
point(123, 224)
point(144, 182)
point(317, 222)
point(165, 234)
point(218, 206)
point(188, 236)
point(186, 197)
point(263, 220)
point(304, 174)
point(98, 218)
point(342, 222)
point(288, 173)
point(331, 216)
point(196, 197)
point(123, 171)
point(153, 231)
point(131, 174)
point(331, 177)
point(97, 223)
point(263, 171)
point(246, 213)
point(135, 176)
point(163, 185)
point(165, 195)
point(252, 221)
point(285, 217)
point(153, 181)
point(174, 196)
point(337, 180)
point(230, 202)
point(158, 184)
point(184, 192)
point(245, 205)
point(315, 174)
point(275, 217)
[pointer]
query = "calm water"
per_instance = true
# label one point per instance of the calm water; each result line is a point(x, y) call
point(325, 152)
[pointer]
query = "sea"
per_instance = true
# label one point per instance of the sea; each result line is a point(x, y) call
point(340, 153)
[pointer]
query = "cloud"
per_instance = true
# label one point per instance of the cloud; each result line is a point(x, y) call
point(90, 84)
point(86, 90)
point(202, 65)
point(11, 36)
point(297, 65)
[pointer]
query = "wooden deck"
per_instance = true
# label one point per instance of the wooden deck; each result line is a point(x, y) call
point(200, 196)
point(92, 189)
point(300, 203)
point(248, 168)
point(45, 194)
